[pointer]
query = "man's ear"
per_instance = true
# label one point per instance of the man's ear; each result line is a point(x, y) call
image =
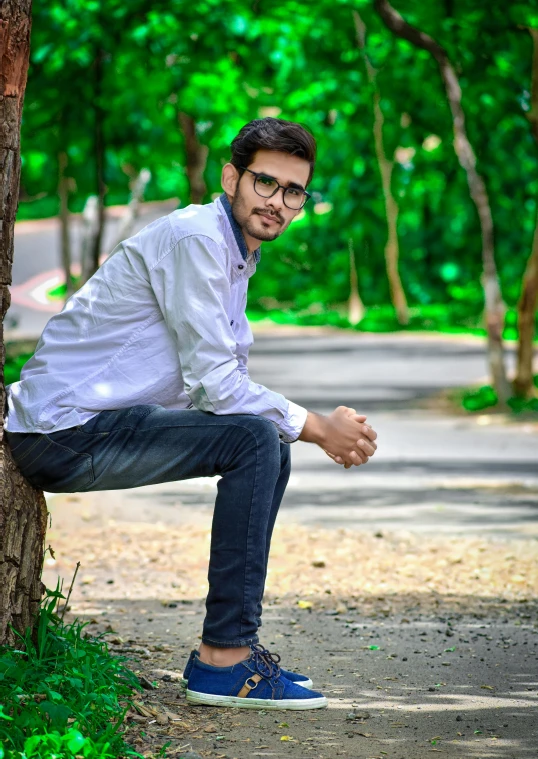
point(229, 179)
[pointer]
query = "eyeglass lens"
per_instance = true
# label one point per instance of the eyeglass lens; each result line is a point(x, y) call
point(267, 186)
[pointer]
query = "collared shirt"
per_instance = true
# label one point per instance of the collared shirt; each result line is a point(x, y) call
point(162, 321)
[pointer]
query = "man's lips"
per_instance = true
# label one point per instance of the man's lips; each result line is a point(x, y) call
point(269, 218)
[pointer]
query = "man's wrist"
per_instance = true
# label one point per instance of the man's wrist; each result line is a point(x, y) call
point(315, 429)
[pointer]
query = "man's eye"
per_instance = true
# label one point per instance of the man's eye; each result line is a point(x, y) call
point(267, 181)
point(294, 192)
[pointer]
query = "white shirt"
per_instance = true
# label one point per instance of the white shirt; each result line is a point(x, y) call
point(162, 321)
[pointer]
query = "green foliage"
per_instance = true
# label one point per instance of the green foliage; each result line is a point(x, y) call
point(485, 397)
point(62, 694)
point(13, 367)
point(228, 62)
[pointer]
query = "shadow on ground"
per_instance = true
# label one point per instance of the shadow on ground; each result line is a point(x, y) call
point(406, 677)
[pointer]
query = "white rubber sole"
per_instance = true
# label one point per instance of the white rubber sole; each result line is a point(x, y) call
point(288, 704)
point(303, 683)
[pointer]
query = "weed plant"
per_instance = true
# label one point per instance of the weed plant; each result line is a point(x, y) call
point(62, 694)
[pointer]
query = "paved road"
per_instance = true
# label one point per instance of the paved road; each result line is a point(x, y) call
point(432, 472)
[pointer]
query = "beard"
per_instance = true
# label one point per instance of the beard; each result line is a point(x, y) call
point(253, 223)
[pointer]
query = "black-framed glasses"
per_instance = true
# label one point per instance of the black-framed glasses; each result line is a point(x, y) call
point(266, 186)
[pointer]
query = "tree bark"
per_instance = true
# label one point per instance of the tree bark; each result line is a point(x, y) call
point(392, 247)
point(524, 380)
point(23, 512)
point(63, 192)
point(91, 264)
point(355, 305)
point(127, 222)
point(494, 305)
point(196, 158)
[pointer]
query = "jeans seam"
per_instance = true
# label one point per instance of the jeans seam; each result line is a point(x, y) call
point(25, 453)
point(247, 547)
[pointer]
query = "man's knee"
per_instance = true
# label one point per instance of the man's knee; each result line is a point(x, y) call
point(264, 431)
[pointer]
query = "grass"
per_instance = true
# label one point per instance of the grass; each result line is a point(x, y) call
point(479, 399)
point(452, 318)
point(62, 694)
point(449, 318)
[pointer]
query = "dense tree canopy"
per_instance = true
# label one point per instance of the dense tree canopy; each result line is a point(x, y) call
point(139, 65)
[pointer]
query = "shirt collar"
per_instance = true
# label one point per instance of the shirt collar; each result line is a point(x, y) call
point(236, 229)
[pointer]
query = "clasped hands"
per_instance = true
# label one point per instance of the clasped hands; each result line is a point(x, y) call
point(344, 435)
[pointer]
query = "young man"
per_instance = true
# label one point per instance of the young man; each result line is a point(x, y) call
point(143, 379)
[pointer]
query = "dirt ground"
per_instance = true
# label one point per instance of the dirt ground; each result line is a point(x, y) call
point(422, 644)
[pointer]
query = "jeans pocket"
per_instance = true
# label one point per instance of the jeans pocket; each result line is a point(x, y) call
point(58, 469)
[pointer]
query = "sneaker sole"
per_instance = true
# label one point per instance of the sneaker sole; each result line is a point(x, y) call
point(293, 704)
point(308, 684)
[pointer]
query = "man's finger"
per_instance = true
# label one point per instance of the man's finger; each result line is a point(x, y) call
point(358, 457)
point(367, 447)
point(336, 459)
point(370, 433)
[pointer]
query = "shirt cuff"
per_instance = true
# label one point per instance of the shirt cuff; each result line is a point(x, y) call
point(294, 423)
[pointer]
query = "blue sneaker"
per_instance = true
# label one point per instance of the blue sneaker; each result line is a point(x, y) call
point(294, 677)
point(256, 683)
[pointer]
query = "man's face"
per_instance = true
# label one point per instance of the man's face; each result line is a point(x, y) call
point(264, 219)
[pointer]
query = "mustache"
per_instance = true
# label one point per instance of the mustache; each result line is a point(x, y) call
point(263, 211)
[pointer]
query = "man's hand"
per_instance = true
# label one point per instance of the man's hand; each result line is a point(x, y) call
point(343, 435)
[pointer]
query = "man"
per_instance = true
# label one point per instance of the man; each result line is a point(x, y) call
point(143, 379)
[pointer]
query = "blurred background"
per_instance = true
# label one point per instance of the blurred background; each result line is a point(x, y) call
point(131, 107)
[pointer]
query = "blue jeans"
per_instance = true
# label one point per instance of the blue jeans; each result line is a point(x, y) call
point(149, 444)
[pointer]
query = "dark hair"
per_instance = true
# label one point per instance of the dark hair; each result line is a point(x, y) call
point(273, 134)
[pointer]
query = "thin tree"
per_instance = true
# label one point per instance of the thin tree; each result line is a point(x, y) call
point(355, 306)
point(65, 237)
point(524, 380)
point(392, 248)
point(196, 158)
point(494, 306)
point(23, 512)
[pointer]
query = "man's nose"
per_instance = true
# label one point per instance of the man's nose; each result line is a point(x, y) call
point(276, 201)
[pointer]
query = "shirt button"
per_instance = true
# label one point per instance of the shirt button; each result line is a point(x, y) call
point(232, 323)
point(240, 266)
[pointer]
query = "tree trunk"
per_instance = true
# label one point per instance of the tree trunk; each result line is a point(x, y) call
point(96, 240)
point(196, 158)
point(392, 248)
point(88, 232)
point(494, 305)
point(23, 512)
point(63, 192)
point(355, 305)
point(127, 221)
point(524, 380)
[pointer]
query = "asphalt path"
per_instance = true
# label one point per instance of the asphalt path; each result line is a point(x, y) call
point(432, 473)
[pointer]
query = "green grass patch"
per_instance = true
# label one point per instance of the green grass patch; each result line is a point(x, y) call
point(449, 318)
point(60, 291)
point(62, 694)
point(482, 398)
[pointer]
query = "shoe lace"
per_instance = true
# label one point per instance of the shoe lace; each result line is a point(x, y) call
point(266, 663)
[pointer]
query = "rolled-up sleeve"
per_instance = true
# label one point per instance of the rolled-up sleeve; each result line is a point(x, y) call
point(192, 288)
